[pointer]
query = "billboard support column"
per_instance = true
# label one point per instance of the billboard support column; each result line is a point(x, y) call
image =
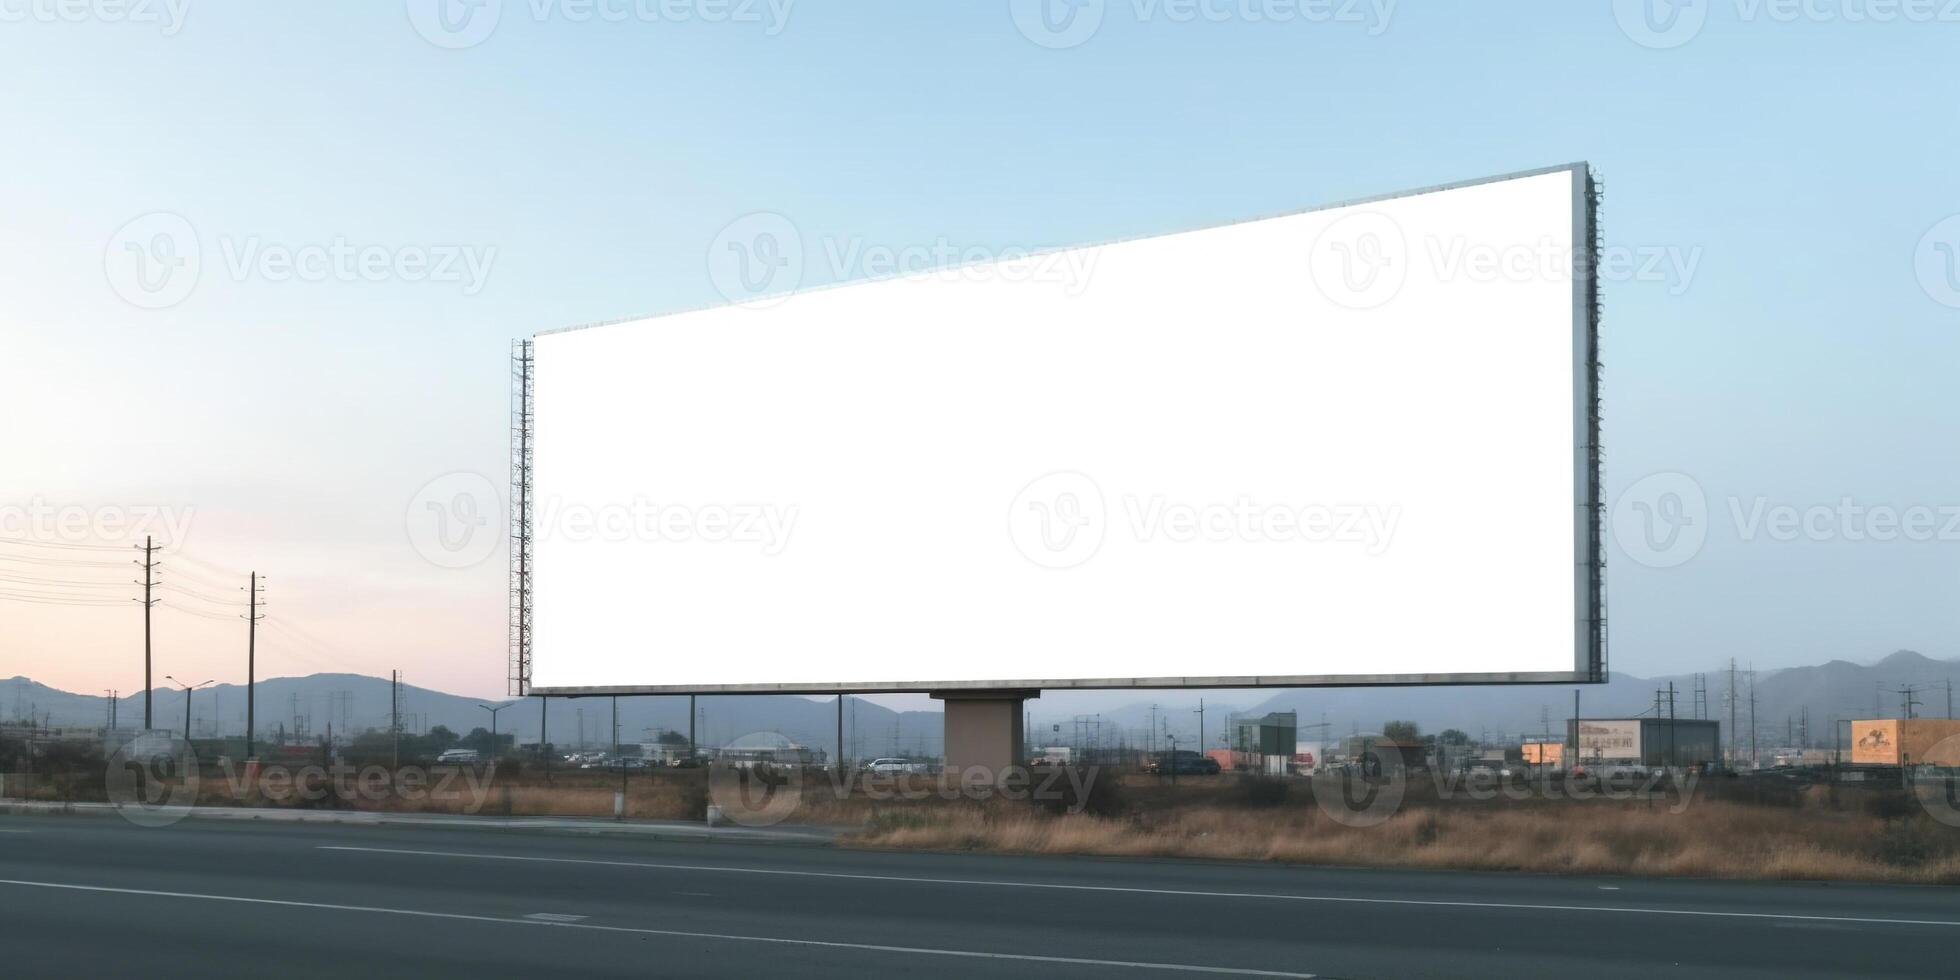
point(984, 732)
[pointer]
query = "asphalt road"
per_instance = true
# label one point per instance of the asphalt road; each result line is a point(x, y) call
point(92, 896)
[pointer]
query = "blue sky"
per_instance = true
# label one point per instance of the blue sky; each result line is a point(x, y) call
point(1783, 338)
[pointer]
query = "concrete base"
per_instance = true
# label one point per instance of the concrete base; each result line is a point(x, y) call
point(984, 732)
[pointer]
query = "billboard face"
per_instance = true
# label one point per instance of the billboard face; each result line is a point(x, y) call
point(1875, 743)
point(1544, 753)
point(1350, 445)
point(1609, 740)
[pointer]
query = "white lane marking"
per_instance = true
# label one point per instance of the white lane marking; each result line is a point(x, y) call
point(1182, 893)
point(556, 917)
point(676, 933)
point(7, 830)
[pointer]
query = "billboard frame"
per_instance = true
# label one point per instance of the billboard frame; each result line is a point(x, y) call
point(1589, 559)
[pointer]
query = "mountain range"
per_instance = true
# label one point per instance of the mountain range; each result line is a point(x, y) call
point(1839, 689)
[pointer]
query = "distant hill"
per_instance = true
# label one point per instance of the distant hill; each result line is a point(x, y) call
point(1838, 689)
point(360, 702)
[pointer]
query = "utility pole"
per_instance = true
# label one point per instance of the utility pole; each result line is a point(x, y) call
point(112, 709)
point(188, 688)
point(1949, 697)
point(690, 728)
point(1673, 759)
point(544, 736)
point(1201, 726)
point(1908, 699)
point(395, 712)
point(1572, 750)
point(494, 744)
point(1755, 754)
point(149, 581)
point(1732, 706)
point(252, 618)
point(840, 741)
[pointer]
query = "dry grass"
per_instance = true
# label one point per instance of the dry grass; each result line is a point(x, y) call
point(1708, 839)
point(1726, 830)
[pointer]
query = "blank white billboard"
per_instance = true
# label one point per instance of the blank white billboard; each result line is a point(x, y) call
point(1350, 445)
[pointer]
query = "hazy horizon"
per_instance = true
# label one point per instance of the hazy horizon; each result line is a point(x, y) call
point(374, 212)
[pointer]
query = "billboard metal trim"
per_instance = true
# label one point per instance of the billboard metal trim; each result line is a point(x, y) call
point(1589, 658)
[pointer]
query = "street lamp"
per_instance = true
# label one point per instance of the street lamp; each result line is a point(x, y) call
point(493, 727)
point(188, 688)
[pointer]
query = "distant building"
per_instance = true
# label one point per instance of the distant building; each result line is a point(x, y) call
point(1264, 743)
point(1669, 742)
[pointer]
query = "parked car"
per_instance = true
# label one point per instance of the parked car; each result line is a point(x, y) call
point(890, 767)
point(457, 757)
point(1494, 770)
point(1183, 762)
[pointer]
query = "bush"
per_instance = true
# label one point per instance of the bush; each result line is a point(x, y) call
point(1260, 791)
point(1101, 794)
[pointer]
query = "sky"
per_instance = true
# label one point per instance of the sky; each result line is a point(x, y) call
point(261, 264)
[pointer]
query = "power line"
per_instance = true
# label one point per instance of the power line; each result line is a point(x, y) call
point(64, 545)
point(58, 600)
point(58, 562)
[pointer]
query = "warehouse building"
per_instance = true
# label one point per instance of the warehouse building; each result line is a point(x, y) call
point(1655, 742)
